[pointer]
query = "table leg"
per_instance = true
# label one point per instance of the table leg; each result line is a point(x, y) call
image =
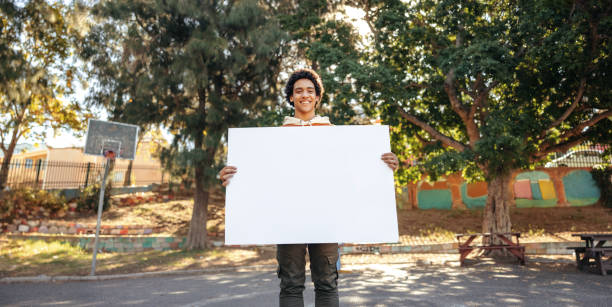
point(464, 254)
point(600, 264)
point(578, 260)
point(520, 254)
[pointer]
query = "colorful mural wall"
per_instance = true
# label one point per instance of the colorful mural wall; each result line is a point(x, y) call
point(541, 188)
point(534, 189)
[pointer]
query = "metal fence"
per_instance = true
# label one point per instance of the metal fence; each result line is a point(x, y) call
point(43, 174)
point(585, 155)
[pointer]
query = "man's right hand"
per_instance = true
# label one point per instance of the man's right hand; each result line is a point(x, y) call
point(226, 174)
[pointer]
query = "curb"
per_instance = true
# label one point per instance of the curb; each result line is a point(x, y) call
point(45, 278)
point(347, 269)
point(161, 243)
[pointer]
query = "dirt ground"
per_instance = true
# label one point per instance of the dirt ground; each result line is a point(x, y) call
point(415, 226)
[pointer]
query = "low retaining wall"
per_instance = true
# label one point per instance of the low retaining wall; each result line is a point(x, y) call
point(113, 243)
point(61, 228)
point(136, 244)
point(74, 193)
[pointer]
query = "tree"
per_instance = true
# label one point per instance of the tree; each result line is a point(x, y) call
point(35, 41)
point(207, 66)
point(489, 87)
point(320, 38)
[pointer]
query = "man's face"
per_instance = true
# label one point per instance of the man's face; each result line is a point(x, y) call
point(304, 97)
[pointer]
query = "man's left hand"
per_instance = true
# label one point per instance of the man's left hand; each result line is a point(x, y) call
point(391, 160)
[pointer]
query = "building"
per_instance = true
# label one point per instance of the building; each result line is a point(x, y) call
point(61, 168)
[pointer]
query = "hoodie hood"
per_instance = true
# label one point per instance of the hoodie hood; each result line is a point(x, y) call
point(315, 121)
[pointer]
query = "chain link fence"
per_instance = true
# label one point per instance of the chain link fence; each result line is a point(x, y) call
point(585, 155)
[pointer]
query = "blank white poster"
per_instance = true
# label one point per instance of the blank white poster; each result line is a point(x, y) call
point(319, 184)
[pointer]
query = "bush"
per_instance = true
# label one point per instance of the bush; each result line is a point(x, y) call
point(603, 177)
point(90, 196)
point(24, 202)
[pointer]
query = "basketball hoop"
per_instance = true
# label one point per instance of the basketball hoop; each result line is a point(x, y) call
point(111, 140)
point(104, 137)
point(109, 154)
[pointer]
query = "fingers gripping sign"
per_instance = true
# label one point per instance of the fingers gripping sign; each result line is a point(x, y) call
point(226, 174)
point(391, 160)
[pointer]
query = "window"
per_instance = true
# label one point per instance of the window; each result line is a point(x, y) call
point(28, 163)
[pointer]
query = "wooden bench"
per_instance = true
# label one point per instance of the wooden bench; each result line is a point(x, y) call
point(592, 256)
point(505, 239)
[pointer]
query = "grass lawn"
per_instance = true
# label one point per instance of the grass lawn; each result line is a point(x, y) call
point(37, 257)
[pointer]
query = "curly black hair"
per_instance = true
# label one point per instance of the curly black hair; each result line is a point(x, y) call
point(304, 73)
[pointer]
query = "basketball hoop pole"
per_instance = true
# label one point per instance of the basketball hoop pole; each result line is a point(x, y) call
point(100, 205)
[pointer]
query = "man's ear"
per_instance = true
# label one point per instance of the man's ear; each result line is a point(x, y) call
point(318, 102)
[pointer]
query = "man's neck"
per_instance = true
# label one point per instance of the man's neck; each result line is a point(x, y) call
point(305, 117)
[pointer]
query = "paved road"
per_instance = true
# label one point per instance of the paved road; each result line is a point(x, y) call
point(376, 285)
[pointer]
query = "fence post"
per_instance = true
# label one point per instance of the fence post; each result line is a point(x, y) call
point(87, 174)
point(38, 165)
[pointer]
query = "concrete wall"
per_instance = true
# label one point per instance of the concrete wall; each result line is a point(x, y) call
point(546, 187)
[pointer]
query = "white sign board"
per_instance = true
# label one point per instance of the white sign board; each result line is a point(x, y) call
point(320, 184)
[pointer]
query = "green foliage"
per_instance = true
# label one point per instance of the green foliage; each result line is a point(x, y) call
point(20, 203)
point(197, 67)
point(603, 177)
point(483, 87)
point(89, 198)
point(493, 86)
point(35, 42)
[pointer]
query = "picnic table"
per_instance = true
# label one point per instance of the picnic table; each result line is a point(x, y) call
point(467, 246)
point(591, 255)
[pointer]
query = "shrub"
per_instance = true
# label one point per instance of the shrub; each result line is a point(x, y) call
point(603, 177)
point(24, 202)
point(90, 196)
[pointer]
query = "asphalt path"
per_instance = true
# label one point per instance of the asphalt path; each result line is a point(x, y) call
point(374, 285)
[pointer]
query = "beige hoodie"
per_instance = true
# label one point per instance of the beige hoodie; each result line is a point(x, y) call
point(315, 121)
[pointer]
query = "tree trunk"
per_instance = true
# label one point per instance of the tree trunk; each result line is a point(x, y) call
point(198, 237)
point(127, 181)
point(4, 170)
point(497, 209)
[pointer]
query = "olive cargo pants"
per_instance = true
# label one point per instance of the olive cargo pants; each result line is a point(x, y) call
point(291, 270)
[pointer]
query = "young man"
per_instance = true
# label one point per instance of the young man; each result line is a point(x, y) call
point(304, 91)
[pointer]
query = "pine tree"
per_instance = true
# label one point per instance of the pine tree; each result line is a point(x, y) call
point(207, 65)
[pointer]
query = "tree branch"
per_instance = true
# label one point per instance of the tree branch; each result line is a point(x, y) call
point(578, 129)
point(422, 140)
point(565, 146)
point(466, 116)
point(433, 132)
point(416, 85)
point(2, 132)
point(569, 110)
point(546, 148)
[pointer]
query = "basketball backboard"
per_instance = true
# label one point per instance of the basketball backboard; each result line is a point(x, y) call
point(105, 138)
